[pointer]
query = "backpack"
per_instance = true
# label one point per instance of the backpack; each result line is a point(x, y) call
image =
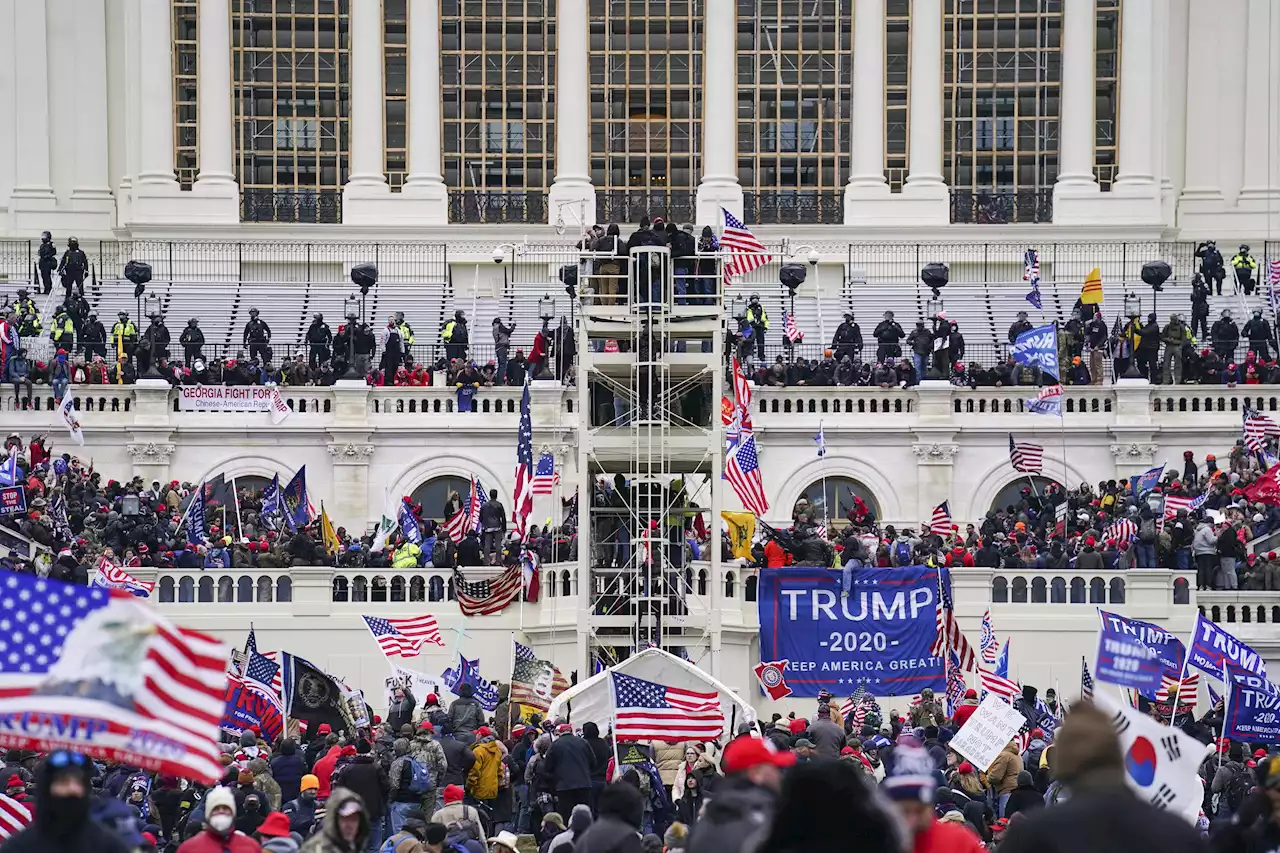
point(420, 777)
point(440, 553)
point(389, 846)
point(1238, 788)
point(1147, 532)
point(902, 553)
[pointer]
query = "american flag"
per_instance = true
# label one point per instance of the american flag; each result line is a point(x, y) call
point(250, 650)
point(277, 680)
point(80, 659)
point(522, 505)
point(743, 473)
point(262, 671)
point(742, 394)
point(949, 635)
point(535, 683)
point(491, 595)
point(789, 327)
point(112, 576)
point(987, 642)
point(1169, 688)
point(1002, 687)
point(941, 521)
point(1027, 458)
point(1257, 429)
point(746, 253)
point(404, 637)
point(955, 684)
point(1122, 531)
point(14, 816)
point(856, 700)
point(1086, 681)
point(545, 476)
point(1275, 274)
point(647, 710)
point(467, 518)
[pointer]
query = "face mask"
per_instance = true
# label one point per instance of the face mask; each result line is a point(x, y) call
point(67, 811)
point(220, 822)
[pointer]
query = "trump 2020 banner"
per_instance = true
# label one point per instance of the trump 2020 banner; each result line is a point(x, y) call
point(1211, 647)
point(247, 706)
point(1253, 709)
point(879, 635)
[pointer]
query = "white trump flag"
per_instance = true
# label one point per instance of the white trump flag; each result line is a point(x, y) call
point(1160, 762)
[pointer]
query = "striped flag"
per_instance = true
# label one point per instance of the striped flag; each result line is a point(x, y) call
point(522, 504)
point(789, 327)
point(742, 470)
point(955, 684)
point(1086, 680)
point(535, 683)
point(941, 521)
point(545, 475)
point(111, 576)
point(14, 816)
point(949, 635)
point(277, 680)
point(404, 637)
point(491, 595)
point(1275, 274)
point(1031, 275)
point(467, 518)
point(856, 699)
point(1027, 458)
point(1169, 688)
point(746, 253)
point(1121, 531)
point(647, 710)
point(1002, 687)
point(987, 642)
point(167, 684)
point(1257, 429)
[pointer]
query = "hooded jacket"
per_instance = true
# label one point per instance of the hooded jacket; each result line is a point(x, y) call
point(287, 769)
point(465, 713)
point(1003, 773)
point(323, 770)
point(618, 828)
point(486, 774)
point(365, 777)
point(737, 811)
point(329, 838)
point(427, 751)
point(57, 829)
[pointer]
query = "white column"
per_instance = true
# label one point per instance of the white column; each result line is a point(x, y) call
point(1203, 149)
point(925, 160)
point(89, 128)
point(155, 102)
point(1262, 105)
point(866, 137)
point(31, 60)
point(1137, 124)
point(1076, 120)
point(213, 98)
point(572, 197)
point(425, 180)
point(368, 176)
point(719, 185)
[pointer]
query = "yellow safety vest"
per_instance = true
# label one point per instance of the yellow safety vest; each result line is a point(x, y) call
point(406, 336)
point(447, 334)
point(406, 556)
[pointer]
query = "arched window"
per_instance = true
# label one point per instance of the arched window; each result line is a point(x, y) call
point(265, 588)
point(1019, 590)
point(244, 589)
point(378, 588)
point(166, 590)
point(453, 593)
point(359, 588)
point(1117, 591)
point(566, 584)
point(729, 585)
point(435, 588)
point(1058, 591)
point(434, 492)
point(417, 588)
point(1039, 590)
point(284, 589)
point(753, 585)
point(838, 496)
point(1012, 493)
point(1097, 591)
point(999, 590)
point(226, 590)
point(186, 590)
point(702, 581)
point(341, 588)
point(1077, 591)
point(397, 588)
point(549, 583)
point(206, 589)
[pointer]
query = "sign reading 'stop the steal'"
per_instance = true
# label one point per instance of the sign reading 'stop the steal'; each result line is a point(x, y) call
point(879, 634)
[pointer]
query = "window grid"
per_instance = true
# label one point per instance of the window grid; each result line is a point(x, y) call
point(1002, 69)
point(646, 127)
point(291, 80)
point(1107, 50)
point(186, 137)
point(498, 75)
point(395, 78)
point(794, 76)
point(897, 86)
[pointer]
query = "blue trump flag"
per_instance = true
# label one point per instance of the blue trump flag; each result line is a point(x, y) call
point(271, 502)
point(1252, 708)
point(195, 517)
point(879, 636)
point(468, 672)
point(1211, 647)
point(409, 528)
point(1145, 482)
point(294, 500)
point(1127, 653)
point(1002, 662)
point(1038, 348)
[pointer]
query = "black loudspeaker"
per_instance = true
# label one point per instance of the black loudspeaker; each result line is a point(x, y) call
point(792, 275)
point(1156, 273)
point(137, 272)
point(364, 276)
point(935, 275)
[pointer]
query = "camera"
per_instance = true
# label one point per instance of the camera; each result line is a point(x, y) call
point(813, 257)
point(499, 255)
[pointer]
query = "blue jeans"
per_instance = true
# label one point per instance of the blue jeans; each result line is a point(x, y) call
point(521, 794)
point(398, 811)
point(682, 284)
point(1146, 555)
point(1004, 801)
point(846, 576)
point(502, 365)
point(922, 366)
point(1183, 559)
point(375, 835)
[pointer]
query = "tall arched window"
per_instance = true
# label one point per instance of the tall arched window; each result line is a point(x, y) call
point(1012, 493)
point(837, 494)
point(434, 492)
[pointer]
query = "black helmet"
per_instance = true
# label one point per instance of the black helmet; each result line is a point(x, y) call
point(46, 236)
point(73, 243)
point(253, 312)
point(193, 321)
point(1244, 248)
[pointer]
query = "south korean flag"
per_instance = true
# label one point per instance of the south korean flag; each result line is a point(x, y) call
point(1160, 762)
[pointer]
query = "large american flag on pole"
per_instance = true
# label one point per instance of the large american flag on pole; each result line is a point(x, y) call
point(999, 685)
point(98, 672)
point(111, 576)
point(789, 327)
point(646, 710)
point(467, 518)
point(522, 505)
point(949, 635)
point(404, 637)
point(14, 816)
point(1257, 429)
point(746, 253)
point(1086, 680)
point(1026, 458)
point(742, 470)
point(940, 523)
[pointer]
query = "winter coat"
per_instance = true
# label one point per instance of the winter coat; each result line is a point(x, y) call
point(427, 751)
point(365, 777)
point(302, 815)
point(827, 737)
point(1102, 821)
point(329, 838)
point(568, 764)
point(1003, 773)
point(266, 783)
point(465, 715)
point(667, 757)
point(965, 711)
point(288, 771)
point(1024, 799)
point(486, 774)
point(401, 713)
point(458, 759)
point(206, 841)
point(738, 811)
point(323, 770)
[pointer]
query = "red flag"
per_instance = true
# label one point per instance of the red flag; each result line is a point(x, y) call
point(771, 678)
point(1265, 489)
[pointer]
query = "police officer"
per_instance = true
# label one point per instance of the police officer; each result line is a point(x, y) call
point(192, 339)
point(847, 339)
point(758, 320)
point(1259, 334)
point(124, 335)
point(1244, 265)
point(62, 331)
point(48, 260)
point(455, 336)
point(93, 338)
point(1020, 327)
point(29, 324)
point(1211, 266)
point(406, 338)
point(257, 337)
point(888, 334)
point(319, 342)
point(1226, 335)
point(73, 267)
point(1199, 306)
point(155, 343)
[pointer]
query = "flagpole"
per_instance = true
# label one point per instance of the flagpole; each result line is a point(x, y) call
point(613, 725)
point(826, 504)
point(1226, 705)
point(191, 503)
point(1083, 664)
point(235, 496)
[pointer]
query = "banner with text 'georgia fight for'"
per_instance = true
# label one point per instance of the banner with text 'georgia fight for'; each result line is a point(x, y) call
point(879, 635)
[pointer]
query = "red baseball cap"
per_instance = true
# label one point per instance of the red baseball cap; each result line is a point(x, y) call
point(275, 826)
point(425, 726)
point(746, 752)
point(324, 729)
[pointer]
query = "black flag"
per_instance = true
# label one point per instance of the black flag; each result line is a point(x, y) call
point(312, 695)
